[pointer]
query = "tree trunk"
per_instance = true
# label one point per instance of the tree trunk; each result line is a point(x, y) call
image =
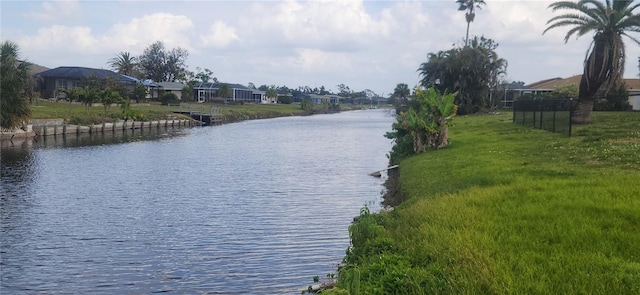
point(466, 39)
point(594, 76)
point(582, 112)
point(443, 135)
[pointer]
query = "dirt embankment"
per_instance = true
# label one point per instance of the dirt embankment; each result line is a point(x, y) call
point(394, 195)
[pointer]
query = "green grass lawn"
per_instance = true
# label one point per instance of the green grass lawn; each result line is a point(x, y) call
point(153, 111)
point(507, 209)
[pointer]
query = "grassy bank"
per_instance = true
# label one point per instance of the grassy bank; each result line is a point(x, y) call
point(509, 210)
point(78, 114)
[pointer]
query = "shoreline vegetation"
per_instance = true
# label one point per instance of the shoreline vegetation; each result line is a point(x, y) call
point(507, 209)
point(76, 114)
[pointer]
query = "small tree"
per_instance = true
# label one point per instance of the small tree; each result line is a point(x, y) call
point(224, 92)
point(425, 122)
point(14, 81)
point(72, 94)
point(169, 98)
point(187, 93)
point(108, 97)
point(89, 92)
point(284, 99)
point(616, 98)
point(272, 92)
point(139, 93)
point(566, 91)
point(400, 95)
point(306, 105)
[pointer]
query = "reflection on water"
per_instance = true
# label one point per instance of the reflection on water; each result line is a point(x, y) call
point(258, 207)
point(96, 138)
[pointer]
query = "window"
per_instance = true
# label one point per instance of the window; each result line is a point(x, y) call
point(61, 83)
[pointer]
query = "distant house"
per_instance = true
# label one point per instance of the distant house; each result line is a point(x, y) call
point(70, 77)
point(319, 99)
point(548, 85)
point(208, 91)
point(171, 87)
point(633, 88)
point(260, 96)
point(379, 100)
point(152, 89)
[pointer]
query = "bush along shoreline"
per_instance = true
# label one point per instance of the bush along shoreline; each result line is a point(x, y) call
point(506, 209)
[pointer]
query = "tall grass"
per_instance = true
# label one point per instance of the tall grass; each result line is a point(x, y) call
point(511, 210)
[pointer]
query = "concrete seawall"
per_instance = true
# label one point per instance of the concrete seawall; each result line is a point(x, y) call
point(47, 130)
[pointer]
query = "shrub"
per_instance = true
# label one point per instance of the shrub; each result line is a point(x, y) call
point(169, 98)
point(89, 120)
point(134, 115)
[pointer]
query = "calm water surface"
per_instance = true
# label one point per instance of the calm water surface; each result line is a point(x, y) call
point(258, 207)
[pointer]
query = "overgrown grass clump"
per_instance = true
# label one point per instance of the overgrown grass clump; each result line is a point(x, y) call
point(509, 210)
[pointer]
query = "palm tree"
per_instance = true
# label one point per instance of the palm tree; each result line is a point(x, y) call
point(14, 81)
point(469, 6)
point(124, 64)
point(604, 61)
point(400, 94)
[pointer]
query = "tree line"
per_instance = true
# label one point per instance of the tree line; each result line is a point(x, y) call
point(475, 72)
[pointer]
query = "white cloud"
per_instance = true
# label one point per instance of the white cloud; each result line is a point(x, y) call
point(329, 25)
point(371, 45)
point(81, 42)
point(67, 40)
point(56, 11)
point(135, 35)
point(220, 35)
point(314, 60)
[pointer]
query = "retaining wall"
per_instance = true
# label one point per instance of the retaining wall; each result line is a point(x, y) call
point(46, 130)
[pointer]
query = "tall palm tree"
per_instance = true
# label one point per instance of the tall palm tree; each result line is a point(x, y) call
point(124, 63)
point(470, 7)
point(604, 61)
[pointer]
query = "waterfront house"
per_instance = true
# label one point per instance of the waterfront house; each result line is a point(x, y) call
point(208, 91)
point(71, 77)
point(633, 88)
point(548, 85)
point(320, 99)
point(261, 96)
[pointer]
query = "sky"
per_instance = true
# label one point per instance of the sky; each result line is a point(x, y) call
point(363, 44)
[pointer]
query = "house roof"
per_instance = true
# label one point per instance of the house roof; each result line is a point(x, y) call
point(78, 73)
point(551, 84)
point(171, 85)
point(329, 96)
point(36, 69)
point(211, 85)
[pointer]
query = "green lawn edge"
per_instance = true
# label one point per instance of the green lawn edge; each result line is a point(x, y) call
point(507, 209)
point(75, 112)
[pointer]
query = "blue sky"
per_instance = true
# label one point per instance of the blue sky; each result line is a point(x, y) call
point(362, 44)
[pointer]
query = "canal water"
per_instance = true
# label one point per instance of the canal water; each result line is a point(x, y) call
point(257, 207)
